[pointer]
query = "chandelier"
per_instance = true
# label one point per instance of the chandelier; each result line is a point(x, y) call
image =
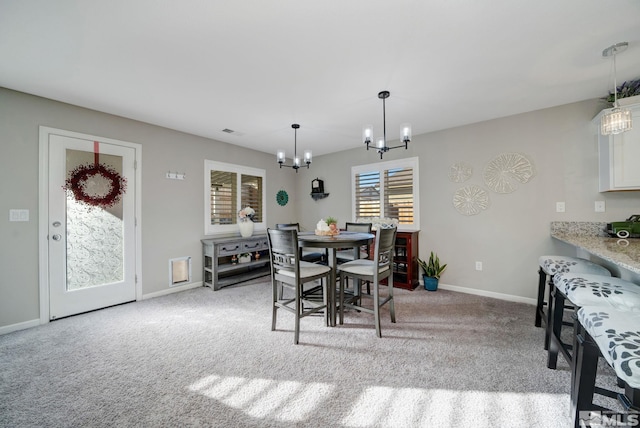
point(616, 120)
point(296, 159)
point(381, 144)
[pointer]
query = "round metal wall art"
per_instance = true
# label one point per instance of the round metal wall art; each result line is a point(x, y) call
point(503, 173)
point(471, 200)
point(460, 172)
point(282, 198)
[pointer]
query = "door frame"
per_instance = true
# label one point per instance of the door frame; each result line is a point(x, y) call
point(43, 210)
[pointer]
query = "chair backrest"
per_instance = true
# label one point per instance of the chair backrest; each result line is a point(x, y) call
point(283, 250)
point(384, 248)
point(358, 227)
point(284, 226)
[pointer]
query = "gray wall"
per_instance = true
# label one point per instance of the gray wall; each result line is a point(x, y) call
point(513, 232)
point(507, 238)
point(172, 211)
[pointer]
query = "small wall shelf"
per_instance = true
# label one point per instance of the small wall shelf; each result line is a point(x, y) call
point(317, 196)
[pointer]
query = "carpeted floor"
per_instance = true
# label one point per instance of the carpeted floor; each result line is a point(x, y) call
point(208, 358)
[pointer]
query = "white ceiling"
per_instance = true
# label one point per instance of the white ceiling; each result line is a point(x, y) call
point(257, 66)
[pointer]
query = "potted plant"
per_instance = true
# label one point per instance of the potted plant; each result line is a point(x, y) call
point(431, 271)
point(332, 222)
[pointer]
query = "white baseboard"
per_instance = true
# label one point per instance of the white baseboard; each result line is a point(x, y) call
point(20, 326)
point(501, 296)
point(172, 290)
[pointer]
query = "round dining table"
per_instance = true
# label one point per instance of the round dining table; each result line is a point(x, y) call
point(332, 243)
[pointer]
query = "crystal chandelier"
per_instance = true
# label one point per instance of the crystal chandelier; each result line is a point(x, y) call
point(296, 159)
point(616, 120)
point(381, 144)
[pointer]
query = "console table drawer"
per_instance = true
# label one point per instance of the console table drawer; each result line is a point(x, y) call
point(255, 245)
point(230, 248)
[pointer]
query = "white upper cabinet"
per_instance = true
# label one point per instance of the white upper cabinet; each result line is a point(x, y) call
point(619, 162)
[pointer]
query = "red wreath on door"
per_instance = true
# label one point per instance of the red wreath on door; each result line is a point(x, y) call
point(81, 176)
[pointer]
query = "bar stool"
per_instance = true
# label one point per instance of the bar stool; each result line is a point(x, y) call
point(614, 334)
point(550, 266)
point(586, 290)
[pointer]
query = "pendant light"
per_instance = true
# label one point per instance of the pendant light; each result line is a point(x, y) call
point(616, 120)
point(381, 144)
point(281, 156)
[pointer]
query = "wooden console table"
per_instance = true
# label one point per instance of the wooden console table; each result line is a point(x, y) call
point(217, 253)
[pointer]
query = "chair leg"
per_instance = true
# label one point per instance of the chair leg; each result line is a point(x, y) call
point(274, 308)
point(584, 381)
point(341, 299)
point(540, 304)
point(547, 330)
point(392, 305)
point(555, 330)
point(325, 300)
point(376, 308)
point(296, 337)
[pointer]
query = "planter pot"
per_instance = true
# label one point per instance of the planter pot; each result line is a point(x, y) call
point(430, 283)
point(244, 259)
point(246, 228)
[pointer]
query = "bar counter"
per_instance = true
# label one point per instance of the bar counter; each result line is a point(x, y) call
point(591, 238)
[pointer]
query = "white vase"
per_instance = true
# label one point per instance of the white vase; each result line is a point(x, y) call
point(246, 228)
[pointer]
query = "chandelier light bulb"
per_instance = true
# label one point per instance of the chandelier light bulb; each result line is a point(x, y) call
point(296, 164)
point(381, 142)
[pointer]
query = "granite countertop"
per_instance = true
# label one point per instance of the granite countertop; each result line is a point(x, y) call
point(590, 236)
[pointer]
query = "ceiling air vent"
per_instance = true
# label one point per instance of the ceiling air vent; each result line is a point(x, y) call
point(232, 132)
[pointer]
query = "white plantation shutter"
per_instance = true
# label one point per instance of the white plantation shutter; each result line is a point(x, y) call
point(398, 194)
point(252, 194)
point(387, 189)
point(367, 194)
point(228, 189)
point(223, 197)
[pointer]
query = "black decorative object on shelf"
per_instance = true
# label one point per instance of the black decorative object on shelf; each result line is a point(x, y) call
point(317, 189)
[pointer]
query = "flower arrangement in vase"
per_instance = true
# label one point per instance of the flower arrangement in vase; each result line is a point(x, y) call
point(328, 226)
point(245, 221)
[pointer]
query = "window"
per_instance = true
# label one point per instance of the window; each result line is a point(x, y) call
point(227, 189)
point(387, 189)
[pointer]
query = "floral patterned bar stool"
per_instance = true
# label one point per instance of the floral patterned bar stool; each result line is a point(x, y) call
point(550, 266)
point(614, 334)
point(586, 290)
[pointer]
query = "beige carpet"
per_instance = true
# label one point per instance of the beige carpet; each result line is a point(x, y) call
point(208, 358)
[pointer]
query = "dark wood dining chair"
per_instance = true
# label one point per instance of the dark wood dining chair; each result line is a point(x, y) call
point(308, 254)
point(375, 270)
point(347, 254)
point(288, 271)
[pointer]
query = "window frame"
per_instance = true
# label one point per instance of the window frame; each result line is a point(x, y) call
point(218, 229)
point(381, 167)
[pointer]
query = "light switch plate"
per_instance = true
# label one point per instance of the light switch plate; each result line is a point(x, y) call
point(559, 207)
point(600, 206)
point(18, 215)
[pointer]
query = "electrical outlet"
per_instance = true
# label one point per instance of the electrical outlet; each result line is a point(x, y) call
point(600, 206)
point(478, 265)
point(559, 207)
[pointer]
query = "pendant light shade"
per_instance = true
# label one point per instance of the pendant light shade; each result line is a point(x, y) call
point(616, 120)
point(297, 162)
point(381, 142)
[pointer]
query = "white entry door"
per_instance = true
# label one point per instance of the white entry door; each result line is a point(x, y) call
point(91, 232)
